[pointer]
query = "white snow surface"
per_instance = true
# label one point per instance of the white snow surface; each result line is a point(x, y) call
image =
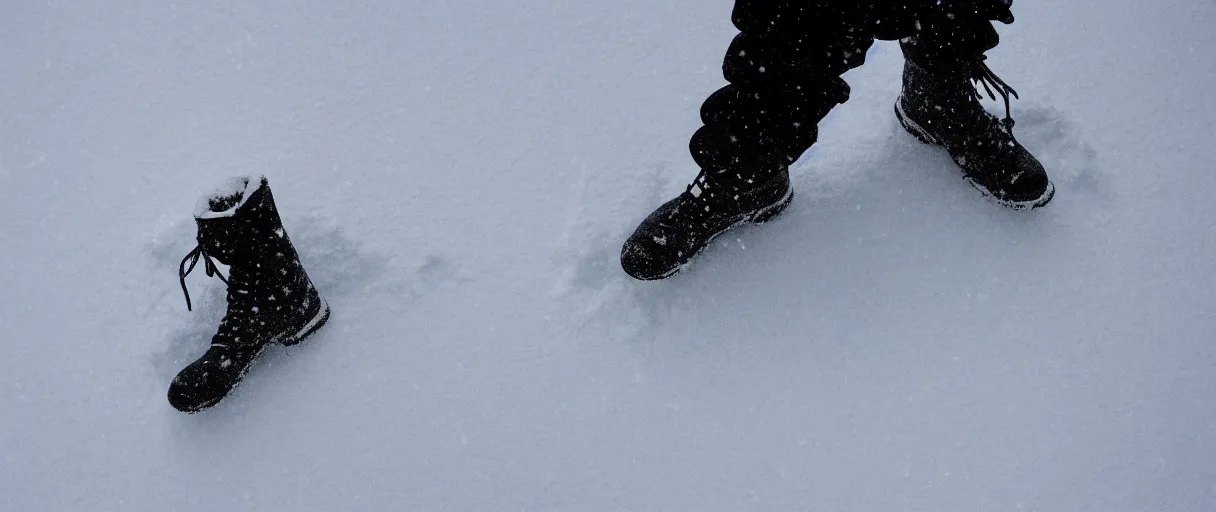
point(458, 178)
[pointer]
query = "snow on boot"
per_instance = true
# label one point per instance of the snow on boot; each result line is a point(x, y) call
point(270, 298)
point(681, 228)
point(942, 108)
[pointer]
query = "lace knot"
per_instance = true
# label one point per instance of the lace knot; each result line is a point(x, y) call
point(193, 258)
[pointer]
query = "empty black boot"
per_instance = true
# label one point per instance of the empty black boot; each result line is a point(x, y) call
point(270, 298)
point(940, 105)
point(682, 227)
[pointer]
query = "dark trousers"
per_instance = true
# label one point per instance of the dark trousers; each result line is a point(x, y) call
point(784, 69)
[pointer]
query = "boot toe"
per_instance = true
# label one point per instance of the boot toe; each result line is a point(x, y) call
point(1030, 180)
point(208, 379)
point(1032, 195)
point(643, 258)
point(1028, 185)
point(1014, 177)
point(191, 391)
point(655, 249)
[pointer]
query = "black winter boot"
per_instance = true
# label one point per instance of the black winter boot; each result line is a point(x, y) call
point(942, 107)
point(270, 298)
point(682, 227)
point(784, 72)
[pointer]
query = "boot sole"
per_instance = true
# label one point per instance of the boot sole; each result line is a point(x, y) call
point(923, 135)
point(315, 323)
point(759, 217)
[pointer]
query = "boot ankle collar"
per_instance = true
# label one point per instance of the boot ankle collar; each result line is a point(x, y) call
point(228, 197)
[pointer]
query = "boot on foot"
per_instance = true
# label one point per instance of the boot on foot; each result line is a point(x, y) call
point(681, 228)
point(942, 108)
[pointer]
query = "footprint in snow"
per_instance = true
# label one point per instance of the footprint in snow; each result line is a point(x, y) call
point(1061, 146)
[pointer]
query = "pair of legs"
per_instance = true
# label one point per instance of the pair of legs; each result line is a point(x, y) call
point(784, 73)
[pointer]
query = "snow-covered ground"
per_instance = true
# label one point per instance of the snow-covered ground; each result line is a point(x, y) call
point(458, 177)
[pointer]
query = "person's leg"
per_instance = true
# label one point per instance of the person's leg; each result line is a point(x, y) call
point(940, 103)
point(784, 73)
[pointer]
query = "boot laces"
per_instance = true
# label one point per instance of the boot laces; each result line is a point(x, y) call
point(700, 195)
point(241, 300)
point(984, 76)
point(715, 192)
point(193, 257)
point(700, 183)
